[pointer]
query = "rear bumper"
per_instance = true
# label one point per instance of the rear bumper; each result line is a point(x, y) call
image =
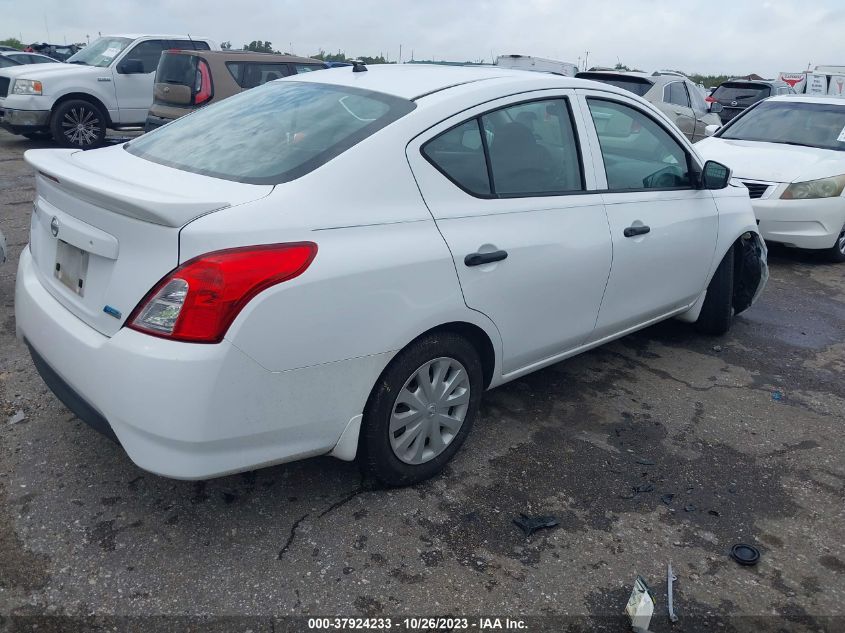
point(183, 410)
point(810, 224)
point(24, 121)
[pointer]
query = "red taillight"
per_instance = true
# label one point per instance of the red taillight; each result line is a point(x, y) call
point(202, 87)
point(198, 301)
point(709, 99)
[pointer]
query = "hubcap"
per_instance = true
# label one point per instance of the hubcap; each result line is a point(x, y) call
point(81, 126)
point(841, 242)
point(429, 411)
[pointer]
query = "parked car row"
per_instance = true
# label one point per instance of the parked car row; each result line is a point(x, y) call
point(110, 84)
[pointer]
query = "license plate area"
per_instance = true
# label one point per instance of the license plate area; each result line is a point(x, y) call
point(71, 267)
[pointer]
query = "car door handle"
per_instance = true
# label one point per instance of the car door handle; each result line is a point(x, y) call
point(476, 259)
point(633, 231)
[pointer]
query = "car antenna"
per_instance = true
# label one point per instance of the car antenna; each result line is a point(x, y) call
point(358, 66)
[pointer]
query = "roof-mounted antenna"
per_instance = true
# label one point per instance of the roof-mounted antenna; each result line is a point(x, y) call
point(358, 66)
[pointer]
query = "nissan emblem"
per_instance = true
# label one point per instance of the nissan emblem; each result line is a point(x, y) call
point(54, 226)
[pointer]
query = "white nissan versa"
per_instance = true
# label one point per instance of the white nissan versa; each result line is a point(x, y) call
point(341, 263)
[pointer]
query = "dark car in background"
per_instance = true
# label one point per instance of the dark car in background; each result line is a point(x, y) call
point(186, 80)
point(738, 94)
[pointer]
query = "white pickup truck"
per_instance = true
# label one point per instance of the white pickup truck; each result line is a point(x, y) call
point(108, 84)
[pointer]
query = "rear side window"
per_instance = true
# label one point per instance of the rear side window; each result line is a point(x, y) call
point(273, 134)
point(531, 150)
point(742, 93)
point(637, 152)
point(638, 85)
point(252, 74)
point(189, 45)
point(676, 94)
point(305, 68)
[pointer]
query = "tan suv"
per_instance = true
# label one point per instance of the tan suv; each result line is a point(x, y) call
point(187, 80)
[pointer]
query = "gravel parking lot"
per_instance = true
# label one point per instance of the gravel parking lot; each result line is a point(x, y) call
point(745, 431)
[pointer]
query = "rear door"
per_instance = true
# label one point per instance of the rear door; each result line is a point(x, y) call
point(663, 228)
point(529, 238)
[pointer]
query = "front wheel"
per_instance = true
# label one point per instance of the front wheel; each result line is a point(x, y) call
point(421, 409)
point(78, 124)
point(836, 253)
point(717, 311)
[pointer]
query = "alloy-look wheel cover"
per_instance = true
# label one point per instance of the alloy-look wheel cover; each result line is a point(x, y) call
point(81, 126)
point(429, 411)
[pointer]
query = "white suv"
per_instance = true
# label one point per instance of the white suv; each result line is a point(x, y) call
point(108, 84)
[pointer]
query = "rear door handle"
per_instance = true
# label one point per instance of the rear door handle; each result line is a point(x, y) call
point(633, 231)
point(477, 259)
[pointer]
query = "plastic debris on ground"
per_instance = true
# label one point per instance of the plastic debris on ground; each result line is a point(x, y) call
point(18, 417)
point(640, 605)
point(777, 396)
point(529, 525)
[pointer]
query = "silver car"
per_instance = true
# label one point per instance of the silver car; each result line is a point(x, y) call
point(673, 93)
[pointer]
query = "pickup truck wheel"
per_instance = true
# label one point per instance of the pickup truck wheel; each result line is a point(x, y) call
point(78, 124)
point(717, 311)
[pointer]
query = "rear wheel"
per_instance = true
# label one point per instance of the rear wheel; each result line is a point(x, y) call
point(79, 124)
point(421, 410)
point(836, 253)
point(717, 311)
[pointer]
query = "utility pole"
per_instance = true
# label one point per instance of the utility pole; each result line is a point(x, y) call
point(586, 60)
point(400, 53)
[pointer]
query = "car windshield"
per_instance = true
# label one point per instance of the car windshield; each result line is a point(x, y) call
point(101, 52)
point(271, 134)
point(792, 123)
point(743, 93)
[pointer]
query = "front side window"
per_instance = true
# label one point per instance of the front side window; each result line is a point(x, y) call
point(273, 134)
point(791, 123)
point(148, 53)
point(637, 152)
point(531, 150)
point(696, 98)
point(676, 94)
point(252, 74)
point(101, 52)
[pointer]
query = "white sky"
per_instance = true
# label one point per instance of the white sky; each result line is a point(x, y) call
point(707, 36)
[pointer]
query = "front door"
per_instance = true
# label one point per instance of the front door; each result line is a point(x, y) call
point(676, 105)
point(663, 227)
point(530, 243)
point(135, 91)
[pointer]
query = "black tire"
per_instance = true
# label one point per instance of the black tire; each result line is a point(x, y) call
point(89, 116)
point(717, 311)
point(375, 453)
point(38, 136)
point(836, 253)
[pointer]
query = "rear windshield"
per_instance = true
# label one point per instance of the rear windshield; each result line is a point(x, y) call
point(744, 94)
point(637, 85)
point(271, 134)
point(791, 123)
point(174, 68)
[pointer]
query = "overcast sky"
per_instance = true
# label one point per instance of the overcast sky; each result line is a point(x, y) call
point(707, 36)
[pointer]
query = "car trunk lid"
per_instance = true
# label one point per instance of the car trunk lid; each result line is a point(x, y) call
point(101, 242)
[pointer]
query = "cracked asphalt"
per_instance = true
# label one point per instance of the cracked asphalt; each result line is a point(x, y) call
point(734, 439)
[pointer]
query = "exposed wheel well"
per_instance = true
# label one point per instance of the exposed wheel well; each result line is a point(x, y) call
point(82, 96)
point(479, 340)
point(747, 271)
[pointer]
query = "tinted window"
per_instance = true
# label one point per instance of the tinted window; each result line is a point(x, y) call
point(148, 53)
point(272, 134)
point(638, 153)
point(175, 68)
point(637, 85)
point(459, 154)
point(305, 68)
point(189, 45)
point(742, 93)
point(792, 123)
point(252, 74)
point(6, 61)
point(676, 94)
point(533, 149)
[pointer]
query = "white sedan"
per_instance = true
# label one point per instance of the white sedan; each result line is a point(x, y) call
point(790, 153)
point(341, 263)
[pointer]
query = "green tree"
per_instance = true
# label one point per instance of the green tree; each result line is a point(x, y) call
point(258, 46)
point(13, 42)
point(226, 45)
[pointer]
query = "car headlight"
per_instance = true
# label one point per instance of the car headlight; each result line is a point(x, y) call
point(26, 87)
point(823, 188)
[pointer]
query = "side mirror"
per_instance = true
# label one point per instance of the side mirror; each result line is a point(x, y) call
point(131, 67)
point(715, 175)
point(711, 129)
point(716, 107)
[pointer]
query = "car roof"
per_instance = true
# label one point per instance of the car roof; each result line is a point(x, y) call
point(804, 98)
point(250, 56)
point(164, 36)
point(414, 81)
